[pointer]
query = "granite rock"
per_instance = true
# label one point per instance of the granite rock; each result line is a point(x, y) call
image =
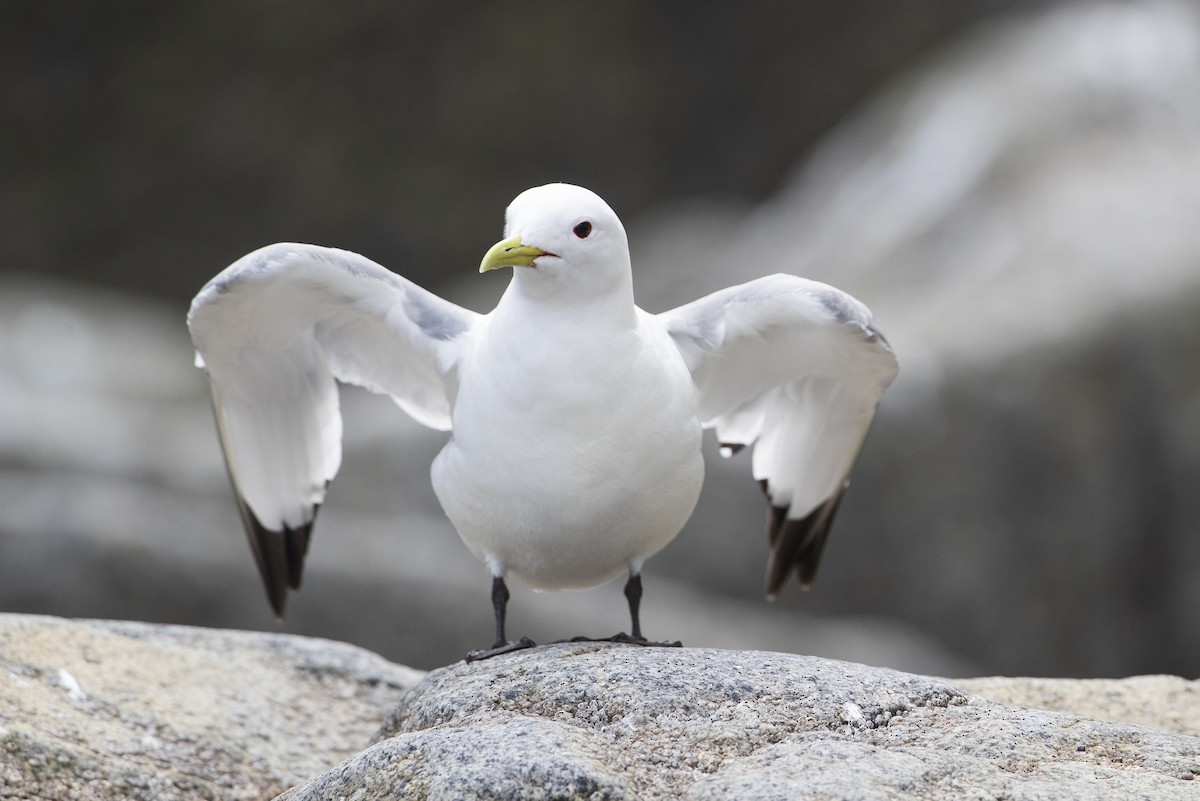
point(104, 710)
point(111, 710)
point(598, 721)
point(1170, 703)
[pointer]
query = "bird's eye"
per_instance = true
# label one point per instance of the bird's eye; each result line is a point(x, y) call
point(583, 229)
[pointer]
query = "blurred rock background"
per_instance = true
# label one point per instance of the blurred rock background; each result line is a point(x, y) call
point(1012, 187)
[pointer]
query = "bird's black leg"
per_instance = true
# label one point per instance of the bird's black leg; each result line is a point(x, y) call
point(502, 645)
point(633, 594)
point(500, 605)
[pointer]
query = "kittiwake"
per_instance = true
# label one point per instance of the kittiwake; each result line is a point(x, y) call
point(575, 416)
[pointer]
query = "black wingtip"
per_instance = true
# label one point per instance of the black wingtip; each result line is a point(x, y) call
point(796, 545)
point(297, 540)
point(279, 555)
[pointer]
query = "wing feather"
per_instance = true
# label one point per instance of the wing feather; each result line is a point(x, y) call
point(274, 330)
point(796, 368)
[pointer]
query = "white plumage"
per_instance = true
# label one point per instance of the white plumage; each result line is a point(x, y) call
point(576, 416)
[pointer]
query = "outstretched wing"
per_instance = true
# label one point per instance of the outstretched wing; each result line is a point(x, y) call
point(797, 367)
point(274, 330)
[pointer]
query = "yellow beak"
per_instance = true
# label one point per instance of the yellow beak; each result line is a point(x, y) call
point(510, 252)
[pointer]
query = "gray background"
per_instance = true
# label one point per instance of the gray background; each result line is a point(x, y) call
point(1012, 187)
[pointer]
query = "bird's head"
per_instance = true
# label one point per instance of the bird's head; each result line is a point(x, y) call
point(561, 238)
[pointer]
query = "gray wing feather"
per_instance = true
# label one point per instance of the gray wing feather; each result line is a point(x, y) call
point(795, 368)
point(274, 330)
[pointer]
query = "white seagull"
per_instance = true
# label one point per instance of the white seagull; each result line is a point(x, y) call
point(576, 416)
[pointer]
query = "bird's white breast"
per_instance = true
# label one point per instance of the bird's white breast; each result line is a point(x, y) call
point(576, 448)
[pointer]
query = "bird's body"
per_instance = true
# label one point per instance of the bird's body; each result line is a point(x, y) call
point(617, 407)
point(576, 417)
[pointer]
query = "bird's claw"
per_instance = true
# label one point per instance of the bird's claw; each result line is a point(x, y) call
point(500, 648)
point(627, 639)
point(648, 643)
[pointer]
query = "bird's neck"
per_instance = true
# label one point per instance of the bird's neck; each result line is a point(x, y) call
point(547, 299)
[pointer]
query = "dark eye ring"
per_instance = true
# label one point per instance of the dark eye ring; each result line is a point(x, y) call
point(583, 229)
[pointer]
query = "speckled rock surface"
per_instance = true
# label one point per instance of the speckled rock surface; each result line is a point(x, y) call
point(101, 710)
point(1170, 703)
point(597, 721)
